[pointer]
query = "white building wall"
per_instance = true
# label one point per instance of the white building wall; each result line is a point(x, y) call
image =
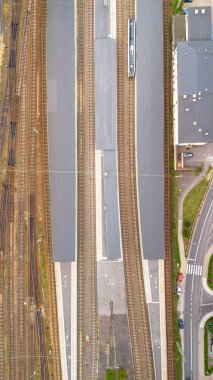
point(175, 98)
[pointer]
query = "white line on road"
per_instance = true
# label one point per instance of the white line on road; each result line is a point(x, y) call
point(206, 304)
point(191, 340)
point(202, 230)
point(198, 245)
point(193, 269)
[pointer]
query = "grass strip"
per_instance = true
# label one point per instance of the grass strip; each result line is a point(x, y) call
point(177, 7)
point(176, 269)
point(191, 205)
point(114, 374)
point(210, 273)
point(207, 329)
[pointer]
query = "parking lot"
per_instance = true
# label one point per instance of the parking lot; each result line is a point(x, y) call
point(202, 154)
point(202, 158)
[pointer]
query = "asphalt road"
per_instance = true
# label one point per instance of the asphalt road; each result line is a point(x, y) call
point(194, 308)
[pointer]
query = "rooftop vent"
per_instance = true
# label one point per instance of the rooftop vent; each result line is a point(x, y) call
point(196, 11)
point(200, 130)
point(185, 96)
point(206, 89)
point(194, 96)
point(187, 109)
point(199, 93)
point(206, 133)
point(203, 11)
point(194, 123)
point(194, 100)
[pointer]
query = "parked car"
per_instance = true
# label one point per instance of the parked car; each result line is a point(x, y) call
point(180, 323)
point(178, 290)
point(188, 147)
point(188, 1)
point(185, 155)
point(179, 278)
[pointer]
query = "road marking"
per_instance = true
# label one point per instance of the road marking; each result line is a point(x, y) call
point(206, 304)
point(203, 229)
point(191, 340)
point(194, 269)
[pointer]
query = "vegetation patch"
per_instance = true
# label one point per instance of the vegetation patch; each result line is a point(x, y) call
point(208, 330)
point(191, 205)
point(199, 170)
point(176, 269)
point(177, 7)
point(210, 273)
point(114, 374)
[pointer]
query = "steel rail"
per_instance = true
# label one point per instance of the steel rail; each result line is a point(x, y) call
point(168, 262)
point(138, 318)
point(86, 230)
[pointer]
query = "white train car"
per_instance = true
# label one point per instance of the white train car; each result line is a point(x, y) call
point(131, 48)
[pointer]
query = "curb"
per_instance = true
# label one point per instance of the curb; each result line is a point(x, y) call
point(196, 217)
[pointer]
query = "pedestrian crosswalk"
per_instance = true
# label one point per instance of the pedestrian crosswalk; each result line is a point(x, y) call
point(194, 269)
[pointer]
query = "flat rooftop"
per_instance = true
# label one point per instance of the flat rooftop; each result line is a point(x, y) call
point(150, 126)
point(105, 93)
point(105, 123)
point(199, 23)
point(195, 91)
point(61, 126)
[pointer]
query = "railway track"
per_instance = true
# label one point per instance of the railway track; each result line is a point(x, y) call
point(136, 302)
point(86, 239)
point(20, 107)
point(44, 143)
point(171, 359)
point(33, 121)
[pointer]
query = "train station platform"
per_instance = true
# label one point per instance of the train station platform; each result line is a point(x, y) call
point(150, 161)
point(61, 127)
point(150, 126)
point(62, 172)
point(107, 208)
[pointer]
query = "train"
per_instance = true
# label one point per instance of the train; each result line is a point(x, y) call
point(131, 48)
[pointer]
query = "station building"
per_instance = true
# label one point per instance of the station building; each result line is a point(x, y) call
point(193, 77)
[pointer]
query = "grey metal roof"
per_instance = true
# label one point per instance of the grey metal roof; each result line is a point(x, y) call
point(105, 122)
point(150, 126)
point(105, 93)
point(101, 20)
point(112, 232)
point(195, 91)
point(199, 23)
point(61, 126)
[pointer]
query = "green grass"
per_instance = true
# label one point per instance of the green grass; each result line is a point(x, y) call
point(208, 327)
point(198, 170)
point(210, 273)
point(176, 268)
point(44, 282)
point(191, 205)
point(177, 7)
point(112, 374)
